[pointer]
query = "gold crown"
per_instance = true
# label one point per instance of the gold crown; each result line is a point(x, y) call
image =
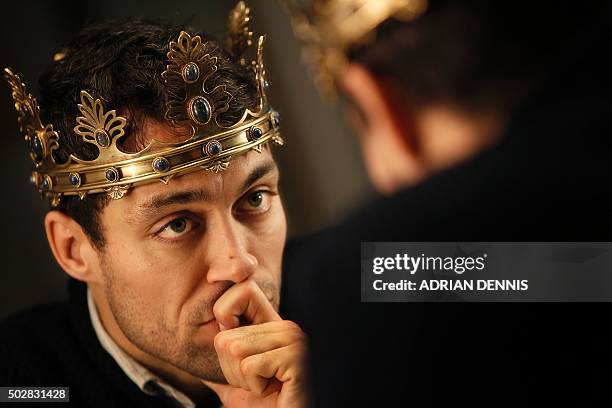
point(190, 105)
point(330, 28)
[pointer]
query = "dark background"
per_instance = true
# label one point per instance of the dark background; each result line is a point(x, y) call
point(322, 175)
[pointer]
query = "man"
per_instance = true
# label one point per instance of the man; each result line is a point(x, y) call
point(479, 121)
point(174, 285)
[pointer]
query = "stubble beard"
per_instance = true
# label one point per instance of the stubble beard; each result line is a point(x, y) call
point(157, 340)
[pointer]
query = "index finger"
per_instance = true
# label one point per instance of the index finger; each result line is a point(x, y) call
point(247, 300)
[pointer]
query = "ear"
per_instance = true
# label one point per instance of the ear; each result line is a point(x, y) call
point(388, 133)
point(71, 247)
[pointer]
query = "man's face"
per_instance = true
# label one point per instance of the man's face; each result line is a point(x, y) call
point(172, 250)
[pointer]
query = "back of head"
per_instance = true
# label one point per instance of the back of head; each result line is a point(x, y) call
point(476, 54)
point(431, 84)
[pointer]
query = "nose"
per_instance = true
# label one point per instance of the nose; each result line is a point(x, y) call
point(227, 252)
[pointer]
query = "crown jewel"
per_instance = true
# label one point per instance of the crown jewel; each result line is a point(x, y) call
point(191, 104)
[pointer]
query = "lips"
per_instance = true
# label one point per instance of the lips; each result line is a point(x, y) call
point(208, 329)
point(213, 320)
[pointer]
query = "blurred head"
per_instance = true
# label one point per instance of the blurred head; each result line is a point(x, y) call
point(432, 92)
point(158, 259)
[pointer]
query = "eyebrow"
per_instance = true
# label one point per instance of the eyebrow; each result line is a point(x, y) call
point(257, 173)
point(159, 202)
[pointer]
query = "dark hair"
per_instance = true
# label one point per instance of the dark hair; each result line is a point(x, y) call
point(121, 63)
point(476, 54)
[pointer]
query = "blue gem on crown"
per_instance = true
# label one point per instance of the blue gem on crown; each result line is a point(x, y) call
point(255, 133)
point(75, 179)
point(201, 110)
point(111, 174)
point(46, 183)
point(37, 148)
point(191, 72)
point(161, 164)
point(213, 148)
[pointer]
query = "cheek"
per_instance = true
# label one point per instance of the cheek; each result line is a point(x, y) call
point(268, 242)
point(160, 279)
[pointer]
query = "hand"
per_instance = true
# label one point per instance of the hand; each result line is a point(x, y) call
point(262, 362)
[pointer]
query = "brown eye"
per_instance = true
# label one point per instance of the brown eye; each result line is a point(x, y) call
point(255, 199)
point(177, 228)
point(178, 225)
point(257, 202)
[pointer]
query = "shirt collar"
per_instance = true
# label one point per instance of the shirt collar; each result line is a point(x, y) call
point(148, 382)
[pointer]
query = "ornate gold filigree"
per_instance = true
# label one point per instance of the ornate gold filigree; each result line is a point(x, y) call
point(239, 38)
point(192, 101)
point(96, 126)
point(219, 165)
point(184, 50)
point(25, 104)
point(166, 180)
point(185, 77)
point(55, 200)
point(260, 73)
point(42, 138)
point(278, 140)
point(117, 192)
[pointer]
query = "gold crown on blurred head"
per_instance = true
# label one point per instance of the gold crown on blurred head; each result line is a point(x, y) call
point(330, 28)
point(190, 105)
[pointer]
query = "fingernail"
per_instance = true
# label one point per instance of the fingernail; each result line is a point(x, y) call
point(222, 327)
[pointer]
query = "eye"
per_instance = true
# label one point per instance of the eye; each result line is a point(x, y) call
point(255, 202)
point(176, 228)
point(255, 199)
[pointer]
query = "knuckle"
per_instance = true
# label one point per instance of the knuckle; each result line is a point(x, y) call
point(247, 366)
point(217, 309)
point(221, 341)
point(250, 288)
point(235, 348)
point(293, 331)
point(250, 283)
